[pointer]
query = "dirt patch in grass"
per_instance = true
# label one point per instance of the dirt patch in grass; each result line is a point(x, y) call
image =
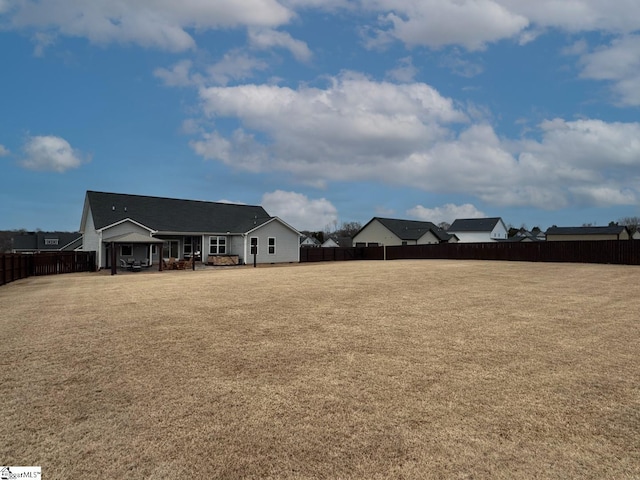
point(403, 369)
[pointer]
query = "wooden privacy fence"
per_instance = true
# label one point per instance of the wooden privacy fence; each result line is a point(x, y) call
point(14, 266)
point(339, 254)
point(624, 252)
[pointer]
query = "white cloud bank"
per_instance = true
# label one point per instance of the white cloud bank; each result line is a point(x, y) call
point(299, 211)
point(446, 213)
point(160, 24)
point(50, 153)
point(410, 135)
point(618, 63)
point(170, 25)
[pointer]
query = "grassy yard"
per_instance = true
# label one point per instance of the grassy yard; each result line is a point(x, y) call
point(403, 369)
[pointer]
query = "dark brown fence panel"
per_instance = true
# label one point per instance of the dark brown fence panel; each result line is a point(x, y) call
point(341, 254)
point(623, 252)
point(14, 266)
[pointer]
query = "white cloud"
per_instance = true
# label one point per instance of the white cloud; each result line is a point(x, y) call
point(241, 151)
point(299, 211)
point(405, 72)
point(235, 65)
point(475, 23)
point(52, 154)
point(150, 23)
point(265, 39)
point(618, 63)
point(446, 213)
point(354, 128)
point(436, 23)
point(3, 151)
point(167, 24)
point(179, 75)
point(42, 40)
point(461, 66)
point(579, 15)
point(407, 135)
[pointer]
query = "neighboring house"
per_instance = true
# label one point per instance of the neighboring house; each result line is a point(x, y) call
point(523, 235)
point(555, 234)
point(330, 243)
point(390, 231)
point(309, 242)
point(335, 241)
point(636, 235)
point(476, 230)
point(32, 242)
point(147, 229)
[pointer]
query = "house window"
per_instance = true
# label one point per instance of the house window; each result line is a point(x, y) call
point(217, 245)
point(372, 244)
point(51, 241)
point(154, 249)
point(170, 249)
point(126, 250)
point(254, 245)
point(188, 246)
point(272, 246)
point(404, 242)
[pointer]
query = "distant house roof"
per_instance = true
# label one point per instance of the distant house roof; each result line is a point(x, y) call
point(411, 229)
point(614, 230)
point(309, 241)
point(46, 241)
point(173, 215)
point(474, 224)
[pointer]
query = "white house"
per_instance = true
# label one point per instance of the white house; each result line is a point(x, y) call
point(147, 229)
point(477, 230)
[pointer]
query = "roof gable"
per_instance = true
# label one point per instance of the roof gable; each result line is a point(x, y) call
point(174, 215)
point(410, 229)
point(474, 224)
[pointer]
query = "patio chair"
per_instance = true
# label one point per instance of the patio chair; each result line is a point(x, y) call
point(135, 266)
point(123, 264)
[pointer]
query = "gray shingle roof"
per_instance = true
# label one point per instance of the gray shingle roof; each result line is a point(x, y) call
point(46, 240)
point(474, 224)
point(174, 215)
point(412, 229)
point(615, 230)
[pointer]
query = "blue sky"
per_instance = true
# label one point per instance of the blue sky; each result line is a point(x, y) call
point(324, 111)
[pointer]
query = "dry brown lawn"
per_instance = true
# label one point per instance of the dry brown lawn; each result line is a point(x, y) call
point(403, 369)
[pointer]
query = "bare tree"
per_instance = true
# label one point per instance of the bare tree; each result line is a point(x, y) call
point(632, 223)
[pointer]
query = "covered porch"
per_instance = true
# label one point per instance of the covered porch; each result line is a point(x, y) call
point(131, 251)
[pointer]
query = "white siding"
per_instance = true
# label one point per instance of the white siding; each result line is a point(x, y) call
point(473, 237)
point(499, 231)
point(90, 238)
point(287, 244)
